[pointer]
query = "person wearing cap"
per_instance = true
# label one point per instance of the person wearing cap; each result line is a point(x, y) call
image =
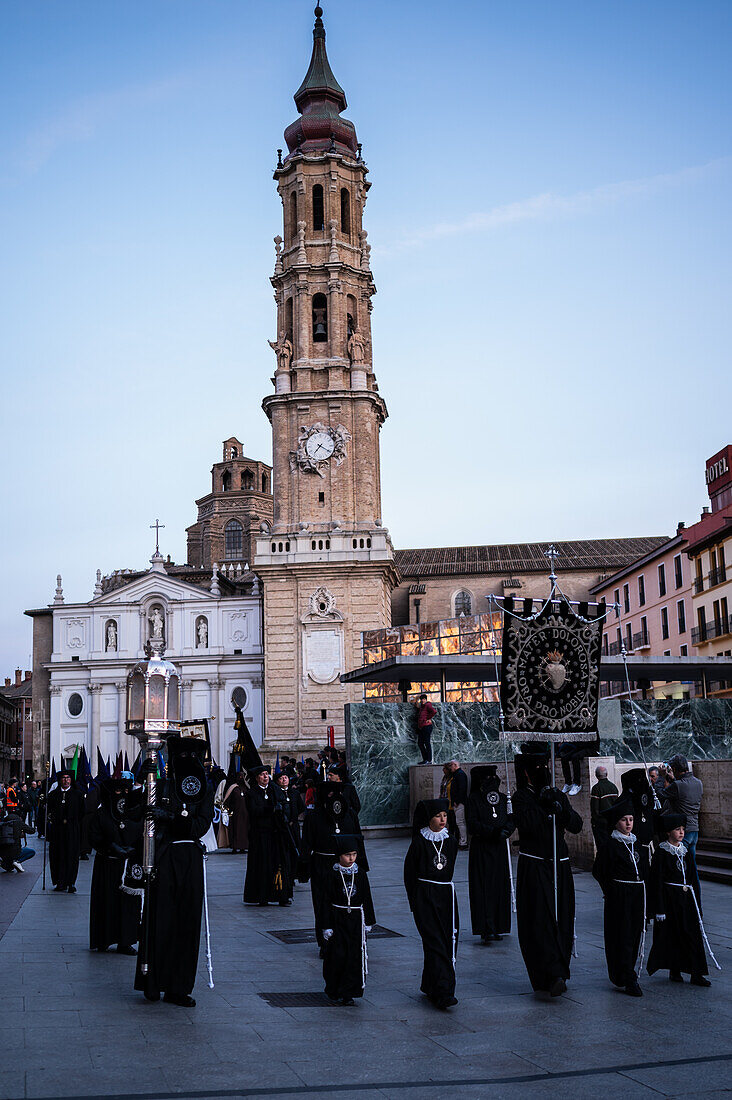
point(115, 833)
point(269, 875)
point(489, 825)
point(171, 929)
point(428, 869)
point(602, 795)
point(63, 829)
point(635, 786)
point(545, 940)
point(331, 816)
point(617, 868)
point(678, 931)
point(348, 911)
point(684, 795)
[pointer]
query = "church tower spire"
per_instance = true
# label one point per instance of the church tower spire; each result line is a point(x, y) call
point(326, 415)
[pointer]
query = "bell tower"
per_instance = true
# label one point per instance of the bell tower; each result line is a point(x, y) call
point(327, 563)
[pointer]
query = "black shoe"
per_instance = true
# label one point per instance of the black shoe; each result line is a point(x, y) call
point(102, 950)
point(126, 949)
point(72, 889)
point(446, 1002)
point(284, 903)
point(263, 904)
point(559, 987)
point(699, 979)
point(348, 1002)
point(496, 936)
point(152, 996)
point(59, 889)
point(485, 939)
point(674, 976)
point(184, 1000)
point(633, 989)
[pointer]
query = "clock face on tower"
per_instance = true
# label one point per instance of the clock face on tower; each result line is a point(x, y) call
point(319, 446)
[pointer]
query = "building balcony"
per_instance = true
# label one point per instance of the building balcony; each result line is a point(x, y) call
point(640, 640)
point(698, 585)
point(717, 576)
point(700, 635)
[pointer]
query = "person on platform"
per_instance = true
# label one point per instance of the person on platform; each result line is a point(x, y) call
point(269, 869)
point(635, 786)
point(63, 823)
point(115, 832)
point(489, 875)
point(602, 796)
point(171, 931)
point(678, 932)
point(235, 802)
point(428, 869)
point(425, 713)
point(617, 868)
point(331, 816)
point(348, 911)
point(545, 937)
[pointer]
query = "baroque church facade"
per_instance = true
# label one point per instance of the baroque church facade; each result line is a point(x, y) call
point(289, 564)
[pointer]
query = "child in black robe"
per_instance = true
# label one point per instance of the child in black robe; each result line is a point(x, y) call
point(489, 872)
point(349, 912)
point(678, 932)
point(619, 871)
point(428, 871)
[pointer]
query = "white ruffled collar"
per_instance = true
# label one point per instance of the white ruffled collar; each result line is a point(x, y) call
point(630, 838)
point(678, 851)
point(345, 870)
point(434, 837)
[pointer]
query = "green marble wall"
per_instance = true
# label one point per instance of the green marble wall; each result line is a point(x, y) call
point(382, 741)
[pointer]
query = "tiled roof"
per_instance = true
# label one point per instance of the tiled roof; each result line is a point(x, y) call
point(23, 690)
point(604, 555)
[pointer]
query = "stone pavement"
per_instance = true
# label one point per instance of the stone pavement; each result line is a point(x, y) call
point(73, 1026)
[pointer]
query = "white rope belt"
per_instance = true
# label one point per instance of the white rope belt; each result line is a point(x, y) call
point(686, 887)
point(439, 882)
point(328, 855)
point(364, 952)
point(544, 859)
point(183, 842)
point(642, 948)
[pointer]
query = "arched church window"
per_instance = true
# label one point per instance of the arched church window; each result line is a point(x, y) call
point(265, 483)
point(234, 452)
point(247, 479)
point(318, 208)
point(320, 318)
point(226, 481)
point(463, 603)
point(233, 539)
point(345, 212)
point(293, 214)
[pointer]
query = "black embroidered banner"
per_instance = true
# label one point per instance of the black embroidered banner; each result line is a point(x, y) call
point(550, 673)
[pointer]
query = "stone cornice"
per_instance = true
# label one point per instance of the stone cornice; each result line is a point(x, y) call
point(302, 396)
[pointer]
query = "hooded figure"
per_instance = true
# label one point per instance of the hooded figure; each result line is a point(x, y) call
point(269, 864)
point(545, 941)
point(617, 868)
point(348, 910)
point(63, 829)
point(678, 931)
point(489, 825)
point(428, 871)
point(174, 903)
point(115, 832)
point(634, 785)
point(333, 814)
point(235, 802)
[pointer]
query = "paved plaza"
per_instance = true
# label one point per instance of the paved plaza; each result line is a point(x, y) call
point(73, 1026)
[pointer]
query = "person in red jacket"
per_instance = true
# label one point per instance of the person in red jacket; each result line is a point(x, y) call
point(425, 714)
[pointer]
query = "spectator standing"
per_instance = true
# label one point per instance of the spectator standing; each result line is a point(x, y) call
point(13, 851)
point(425, 714)
point(602, 796)
point(684, 796)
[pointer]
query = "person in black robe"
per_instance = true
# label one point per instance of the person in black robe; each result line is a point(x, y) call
point(171, 930)
point(115, 832)
point(428, 871)
point(290, 805)
point(63, 825)
point(349, 912)
point(92, 801)
point(617, 868)
point(635, 785)
point(489, 825)
point(332, 815)
point(678, 932)
point(545, 941)
point(235, 801)
point(269, 876)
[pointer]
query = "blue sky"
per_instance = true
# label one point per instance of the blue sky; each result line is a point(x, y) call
point(550, 222)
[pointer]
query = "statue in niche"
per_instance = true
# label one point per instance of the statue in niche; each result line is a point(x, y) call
point(283, 350)
point(111, 637)
point(356, 347)
point(202, 630)
point(157, 623)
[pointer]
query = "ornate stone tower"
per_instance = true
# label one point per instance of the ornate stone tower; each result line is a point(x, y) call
point(327, 565)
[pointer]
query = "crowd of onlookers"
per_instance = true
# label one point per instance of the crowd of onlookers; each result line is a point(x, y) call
point(19, 805)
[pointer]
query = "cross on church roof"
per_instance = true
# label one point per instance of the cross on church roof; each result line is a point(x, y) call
point(157, 525)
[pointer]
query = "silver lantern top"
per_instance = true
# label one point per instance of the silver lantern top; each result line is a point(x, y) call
point(153, 697)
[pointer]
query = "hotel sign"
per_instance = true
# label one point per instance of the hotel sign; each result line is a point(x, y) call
point(718, 468)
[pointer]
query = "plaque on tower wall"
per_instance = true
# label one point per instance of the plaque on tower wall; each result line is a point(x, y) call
point(323, 653)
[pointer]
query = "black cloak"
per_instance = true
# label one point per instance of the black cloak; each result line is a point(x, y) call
point(63, 829)
point(270, 863)
point(332, 815)
point(344, 963)
point(617, 868)
point(489, 825)
point(677, 938)
point(115, 832)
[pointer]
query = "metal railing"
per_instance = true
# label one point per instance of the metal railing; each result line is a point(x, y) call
point(716, 629)
point(698, 584)
point(717, 576)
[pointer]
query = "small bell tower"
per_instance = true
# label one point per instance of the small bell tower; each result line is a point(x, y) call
point(326, 415)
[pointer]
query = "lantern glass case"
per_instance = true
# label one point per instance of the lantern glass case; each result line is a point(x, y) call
point(153, 702)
